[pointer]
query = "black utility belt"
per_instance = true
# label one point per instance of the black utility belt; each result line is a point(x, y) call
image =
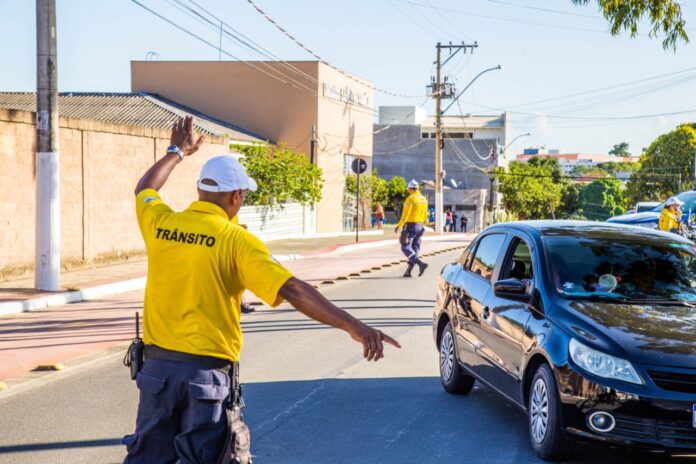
point(155, 352)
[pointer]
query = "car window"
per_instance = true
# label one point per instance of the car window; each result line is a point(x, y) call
point(487, 253)
point(519, 265)
point(464, 258)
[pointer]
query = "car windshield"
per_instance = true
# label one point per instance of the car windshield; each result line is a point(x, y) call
point(627, 268)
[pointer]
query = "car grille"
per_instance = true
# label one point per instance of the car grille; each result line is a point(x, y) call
point(674, 381)
point(671, 434)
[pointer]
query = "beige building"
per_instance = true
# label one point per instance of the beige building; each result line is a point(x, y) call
point(283, 101)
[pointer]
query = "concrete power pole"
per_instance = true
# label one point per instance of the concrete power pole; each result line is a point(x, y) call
point(47, 254)
point(438, 145)
point(442, 90)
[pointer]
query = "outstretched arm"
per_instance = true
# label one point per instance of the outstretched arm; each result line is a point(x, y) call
point(314, 305)
point(183, 137)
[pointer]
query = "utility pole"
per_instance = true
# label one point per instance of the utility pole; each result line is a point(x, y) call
point(442, 90)
point(47, 251)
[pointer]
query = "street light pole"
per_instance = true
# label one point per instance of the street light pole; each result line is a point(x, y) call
point(513, 141)
point(47, 251)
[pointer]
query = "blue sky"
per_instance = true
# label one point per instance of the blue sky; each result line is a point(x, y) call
point(544, 54)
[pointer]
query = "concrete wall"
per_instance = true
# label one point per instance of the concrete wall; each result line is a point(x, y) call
point(293, 220)
point(270, 99)
point(100, 164)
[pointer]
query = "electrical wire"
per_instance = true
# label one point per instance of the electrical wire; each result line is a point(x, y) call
point(322, 60)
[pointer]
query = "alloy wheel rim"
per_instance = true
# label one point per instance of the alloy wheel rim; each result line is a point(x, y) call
point(446, 356)
point(539, 413)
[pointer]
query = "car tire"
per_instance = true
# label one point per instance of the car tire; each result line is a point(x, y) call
point(454, 380)
point(548, 439)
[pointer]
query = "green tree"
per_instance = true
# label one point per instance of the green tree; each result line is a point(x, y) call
point(620, 149)
point(531, 190)
point(570, 200)
point(282, 174)
point(398, 191)
point(664, 16)
point(668, 156)
point(602, 199)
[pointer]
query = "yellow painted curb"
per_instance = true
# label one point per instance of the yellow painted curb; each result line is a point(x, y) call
point(3, 386)
point(49, 367)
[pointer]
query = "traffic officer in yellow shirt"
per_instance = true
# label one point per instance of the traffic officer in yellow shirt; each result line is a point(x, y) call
point(671, 216)
point(199, 264)
point(411, 224)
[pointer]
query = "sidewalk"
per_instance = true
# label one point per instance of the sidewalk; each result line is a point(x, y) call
point(68, 333)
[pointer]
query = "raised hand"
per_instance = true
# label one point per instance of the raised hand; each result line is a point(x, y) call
point(184, 137)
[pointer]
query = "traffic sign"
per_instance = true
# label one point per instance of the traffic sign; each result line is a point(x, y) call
point(359, 165)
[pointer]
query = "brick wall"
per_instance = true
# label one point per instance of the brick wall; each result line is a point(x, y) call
point(100, 164)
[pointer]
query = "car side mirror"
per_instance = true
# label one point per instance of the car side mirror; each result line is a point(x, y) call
point(511, 289)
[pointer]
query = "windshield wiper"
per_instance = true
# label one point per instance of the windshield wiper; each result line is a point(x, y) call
point(663, 301)
point(598, 297)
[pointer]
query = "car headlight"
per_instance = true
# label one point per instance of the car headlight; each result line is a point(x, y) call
point(601, 364)
point(648, 225)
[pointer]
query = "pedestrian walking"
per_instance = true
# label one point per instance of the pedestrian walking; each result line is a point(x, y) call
point(463, 222)
point(448, 220)
point(379, 216)
point(199, 264)
point(413, 218)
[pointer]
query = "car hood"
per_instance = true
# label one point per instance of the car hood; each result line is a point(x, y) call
point(636, 218)
point(650, 334)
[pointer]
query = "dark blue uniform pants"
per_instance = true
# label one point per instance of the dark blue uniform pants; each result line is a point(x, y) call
point(411, 241)
point(181, 414)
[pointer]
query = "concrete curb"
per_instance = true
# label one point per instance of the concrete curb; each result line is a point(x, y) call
point(125, 286)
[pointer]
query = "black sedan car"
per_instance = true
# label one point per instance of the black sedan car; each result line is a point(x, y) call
point(590, 328)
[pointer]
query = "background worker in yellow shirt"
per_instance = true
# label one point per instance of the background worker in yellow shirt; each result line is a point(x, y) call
point(413, 218)
point(199, 264)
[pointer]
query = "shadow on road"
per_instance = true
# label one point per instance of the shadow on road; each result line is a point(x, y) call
point(394, 420)
point(59, 445)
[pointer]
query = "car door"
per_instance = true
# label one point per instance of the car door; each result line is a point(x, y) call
point(503, 321)
point(469, 291)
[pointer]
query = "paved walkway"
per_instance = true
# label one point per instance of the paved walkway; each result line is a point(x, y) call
point(63, 333)
point(23, 288)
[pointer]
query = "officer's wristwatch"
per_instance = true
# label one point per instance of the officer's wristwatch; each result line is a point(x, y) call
point(176, 150)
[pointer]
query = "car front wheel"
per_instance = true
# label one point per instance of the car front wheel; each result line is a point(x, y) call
point(451, 375)
point(548, 440)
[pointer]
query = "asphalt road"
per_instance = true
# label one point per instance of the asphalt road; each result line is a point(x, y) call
point(310, 396)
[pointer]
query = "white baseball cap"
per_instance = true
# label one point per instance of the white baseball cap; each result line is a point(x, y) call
point(674, 201)
point(227, 173)
point(413, 184)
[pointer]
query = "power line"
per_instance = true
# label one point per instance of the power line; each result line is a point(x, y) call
point(322, 60)
point(546, 10)
point(284, 79)
point(509, 20)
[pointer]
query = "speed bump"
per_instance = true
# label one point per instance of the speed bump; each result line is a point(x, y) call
point(49, 367)
point(342, 278)
point(328, 282)
point(354, 274)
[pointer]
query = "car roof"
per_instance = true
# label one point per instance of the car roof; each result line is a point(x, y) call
point(605, 230)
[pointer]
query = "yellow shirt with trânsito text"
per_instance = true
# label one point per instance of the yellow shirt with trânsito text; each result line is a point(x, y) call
point(199, 264)
point(415, 209)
